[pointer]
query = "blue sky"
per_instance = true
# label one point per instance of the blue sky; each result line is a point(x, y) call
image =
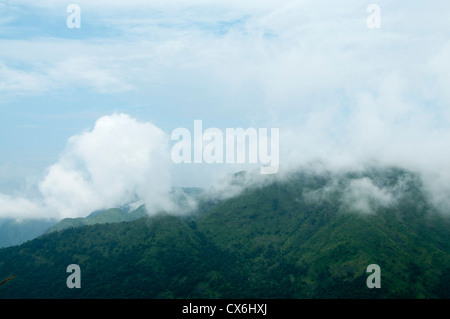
point(338, 90)
point(43, 107)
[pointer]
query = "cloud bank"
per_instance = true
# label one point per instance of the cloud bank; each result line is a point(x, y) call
point(118, 162)
point(341, 93)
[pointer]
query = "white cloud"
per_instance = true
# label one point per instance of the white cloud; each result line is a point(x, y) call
point(83, 71)
point(339, 92)
point(19, 81)
point(363, 196)
point(232, 184)
point(76, 71)
point(119, 161)
point(19, 207)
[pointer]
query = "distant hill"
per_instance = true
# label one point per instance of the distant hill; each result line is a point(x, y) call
point(180, 196)
point(310, 235)
point(13, 232)
point(113, 215)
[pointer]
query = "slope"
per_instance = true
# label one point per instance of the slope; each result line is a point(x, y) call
point(307, 236)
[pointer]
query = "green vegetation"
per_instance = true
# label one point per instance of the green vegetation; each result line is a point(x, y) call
point(13, 232)
point(113, 215)
point(116, 215)
point(299, 238)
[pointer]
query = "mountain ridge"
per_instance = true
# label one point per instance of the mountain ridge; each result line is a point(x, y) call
point(294, 238)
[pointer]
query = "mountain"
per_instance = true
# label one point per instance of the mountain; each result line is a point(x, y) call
point(180, 196)
point(113, 215)
point(309, 235)
point(15, 232)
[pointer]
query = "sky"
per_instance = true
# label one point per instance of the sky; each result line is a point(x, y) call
point(86, 114)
